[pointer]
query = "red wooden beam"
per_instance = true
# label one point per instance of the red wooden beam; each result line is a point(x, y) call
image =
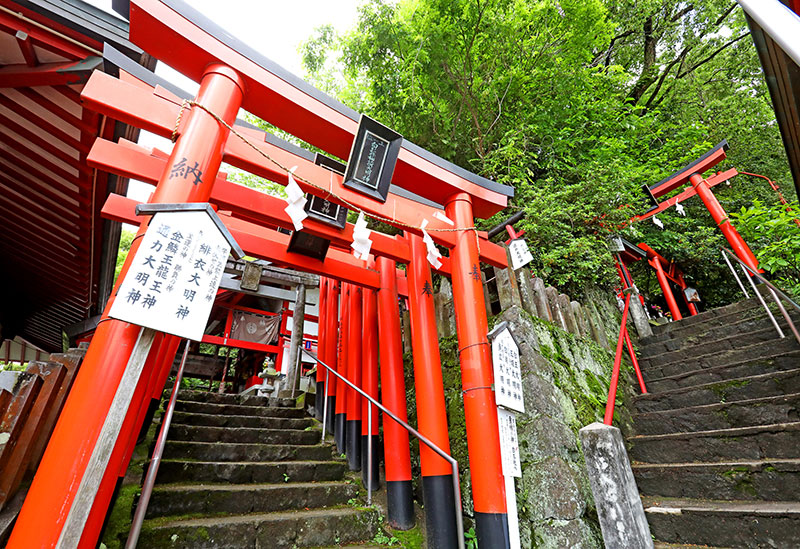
point(154, 111)
point(686, 194)
point(265, 243)
point(291, 105)
point(58, 111)
point(41, 217)
point(49, 74)
point(43, 195)
point(48, 187)
point(46, 40)
point(681, 177)
point(240, 343)
point(45, 125)
point(26, 48)
point(59, 171)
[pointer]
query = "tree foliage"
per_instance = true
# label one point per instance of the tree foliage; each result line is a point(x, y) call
point(577, 104)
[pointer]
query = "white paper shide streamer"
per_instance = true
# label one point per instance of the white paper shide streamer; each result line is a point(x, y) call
point(433, 251)
point(296, 202)
point(657, 222)
point(361, 242)
point(680, 209)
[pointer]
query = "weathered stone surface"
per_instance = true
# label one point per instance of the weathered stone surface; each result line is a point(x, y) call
point(619, 507)
point(558, 534)
point(541, 299)
point(526, 291)
point(552, 491)
point(555, 308)
point(445, 311)
point(565, 308)
point(507, 289)
point(598, 331)
point(543, 437)
point(639, 317)
point(580, 319)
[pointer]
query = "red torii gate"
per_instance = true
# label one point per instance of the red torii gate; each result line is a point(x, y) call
point(702, 187)
point(84, 457)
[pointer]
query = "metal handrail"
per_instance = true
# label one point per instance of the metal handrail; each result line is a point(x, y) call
point(773, 290)
point(155, 461)
point(444, 455)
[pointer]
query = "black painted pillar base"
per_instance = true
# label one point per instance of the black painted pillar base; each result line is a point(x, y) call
point(401, 504)
point(148, 419)
point(354, 444)
point(492, 530)
point(376, 461)
point(331, 414)
point(440, 512)
point(319, 401)
point(340, 433)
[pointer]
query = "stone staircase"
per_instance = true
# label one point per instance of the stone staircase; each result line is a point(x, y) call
point(250, 472)
point(716, 447)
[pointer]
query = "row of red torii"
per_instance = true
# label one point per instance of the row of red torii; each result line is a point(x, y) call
point(93, 440)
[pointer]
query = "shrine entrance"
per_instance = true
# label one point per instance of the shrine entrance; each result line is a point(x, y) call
point(386, 179)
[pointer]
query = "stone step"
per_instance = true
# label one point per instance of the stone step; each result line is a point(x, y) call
point(761, 386)
point(244, 472)
point(766, 349)
point(224, 398)
point(661, 545)
point(280, 530)
point(724, 415)
point(777, 441)
point(213, 451)
point(723, 372)
point(192, 406)
point(738, 342)
point(692, 336)
point(753, 524)
point(767, 480)
point(742, 306)
point(201, 433)
point(209, 499)
point(228, 420)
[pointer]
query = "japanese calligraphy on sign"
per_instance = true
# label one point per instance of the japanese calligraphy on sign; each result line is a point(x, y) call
point(509, 445)
point(173, 280)
point(520, 254)
point(507, 374)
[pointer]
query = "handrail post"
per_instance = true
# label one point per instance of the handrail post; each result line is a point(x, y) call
point(369, 454)
point(325, 407)
point(763, 303)
point(736, 276)
point(612, 386)
point(785, 314)
point(155, 461)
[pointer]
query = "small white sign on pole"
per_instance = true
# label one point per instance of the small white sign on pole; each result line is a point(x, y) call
point(507, 373)
point(509, 445)
point(520, 254)
point(173, 279)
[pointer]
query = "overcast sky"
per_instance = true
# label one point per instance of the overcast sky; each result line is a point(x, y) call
point(275, 28)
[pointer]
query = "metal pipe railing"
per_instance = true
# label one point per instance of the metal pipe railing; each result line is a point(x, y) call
point(612, 386)
point(773, 290)
point(444, 455)
point(155, 461)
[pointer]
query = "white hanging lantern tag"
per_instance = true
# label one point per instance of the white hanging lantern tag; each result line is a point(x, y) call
point(657, 222)
point(433, 252)
point(361, 243)
point(296, 200)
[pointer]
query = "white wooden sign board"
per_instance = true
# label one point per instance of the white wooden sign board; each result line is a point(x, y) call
point(173, 280)
point(520, 254)
point(507, 373)
point(509, 444)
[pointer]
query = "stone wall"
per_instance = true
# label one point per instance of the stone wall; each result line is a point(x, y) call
point(566, 365)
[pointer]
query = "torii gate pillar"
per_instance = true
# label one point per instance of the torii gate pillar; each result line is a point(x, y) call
point(480, 409)
point(69, 475)
point(738, 244)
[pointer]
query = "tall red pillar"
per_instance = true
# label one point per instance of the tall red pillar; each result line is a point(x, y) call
point(480, 409)
point(65, 472)
point(369, 382)
point(666, 289)
point(437, 474)
point(739, 246)
point(354, 366)
point(332, 347)
point(342, 390)
point(397, 459)
point(322, 349)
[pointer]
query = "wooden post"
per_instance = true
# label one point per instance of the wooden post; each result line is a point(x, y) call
point(298, 327)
